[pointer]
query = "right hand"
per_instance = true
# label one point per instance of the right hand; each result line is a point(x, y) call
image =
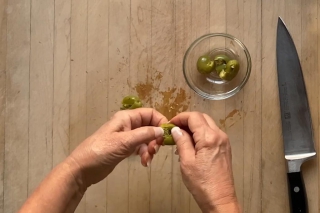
point(205, 161)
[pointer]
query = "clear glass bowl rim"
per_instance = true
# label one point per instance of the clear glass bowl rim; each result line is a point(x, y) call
point(230, 93)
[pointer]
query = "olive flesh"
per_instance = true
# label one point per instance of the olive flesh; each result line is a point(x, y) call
point(131, 102)
point(167, 137)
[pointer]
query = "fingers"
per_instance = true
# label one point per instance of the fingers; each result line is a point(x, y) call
point(184, 143)
point(140, 137)
point(145, 155)
point(193, 120)
point(133, 138)
point(147, 151)
point(153, 147)
point(132, 119)
point(146, 117)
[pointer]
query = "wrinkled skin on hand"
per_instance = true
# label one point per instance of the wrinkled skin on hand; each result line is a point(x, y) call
point(127, 132)
point(205, 160)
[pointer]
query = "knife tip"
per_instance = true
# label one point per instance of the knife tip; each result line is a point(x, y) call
point(280, 20)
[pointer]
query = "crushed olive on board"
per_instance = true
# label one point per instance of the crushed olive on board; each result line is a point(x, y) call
point(167, 137)
point(131, 102)
point(205, 65)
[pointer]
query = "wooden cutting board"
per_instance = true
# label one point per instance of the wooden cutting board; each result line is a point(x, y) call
point(65, 65)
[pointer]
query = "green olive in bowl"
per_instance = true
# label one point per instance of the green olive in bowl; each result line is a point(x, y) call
point(220, 62)
point(167, 137)
point(221, 59)
point(230, 71)
point(205, 64)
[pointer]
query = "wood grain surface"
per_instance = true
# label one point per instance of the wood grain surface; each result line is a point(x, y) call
point(65, 66)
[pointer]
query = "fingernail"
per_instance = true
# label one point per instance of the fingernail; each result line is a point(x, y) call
point(148, 163)
point(158, 131)
point(176, 152)
point(143, 149)
point(176, 133)
point(156, 149)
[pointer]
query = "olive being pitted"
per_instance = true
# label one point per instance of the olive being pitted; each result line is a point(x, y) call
point(167, 137)
point(230, 71)
point(205, 64)
point(131, 102)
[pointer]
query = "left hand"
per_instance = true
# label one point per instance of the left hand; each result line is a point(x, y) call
point(127, 132)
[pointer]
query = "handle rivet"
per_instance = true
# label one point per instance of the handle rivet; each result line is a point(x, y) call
point(296, 189)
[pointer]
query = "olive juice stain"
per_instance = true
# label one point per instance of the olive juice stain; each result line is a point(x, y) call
point(231, 119)
point(173, 102)
point(144, 91)
point(169, 102)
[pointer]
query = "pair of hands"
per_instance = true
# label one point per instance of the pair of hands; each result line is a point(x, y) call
point(204, 150)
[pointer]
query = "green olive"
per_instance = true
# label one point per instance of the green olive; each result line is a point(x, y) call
point(231, 70)
point(167, 137)
point(221, 59)
point(131, 102)
point(220, 62)
point(205, 65)
point(220, 68)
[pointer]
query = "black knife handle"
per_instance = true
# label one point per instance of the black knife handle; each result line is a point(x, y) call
point(297, 193)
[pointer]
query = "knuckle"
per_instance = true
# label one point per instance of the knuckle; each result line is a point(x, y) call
point(118, 114)
point(224, 138)
point(204, 114)
point(153, 111)
point(215, 139)
point(223, 135)
point(210, 138)
point(197, 114)
point(185, 164)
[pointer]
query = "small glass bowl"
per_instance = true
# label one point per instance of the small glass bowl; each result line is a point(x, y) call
point(210, 86)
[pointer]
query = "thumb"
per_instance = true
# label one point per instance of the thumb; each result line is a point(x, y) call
point(184, 143)
point(142, 135)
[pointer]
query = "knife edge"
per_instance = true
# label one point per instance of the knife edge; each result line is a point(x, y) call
point(300, 156)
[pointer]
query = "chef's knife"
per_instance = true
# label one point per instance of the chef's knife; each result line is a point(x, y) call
point(295, 116)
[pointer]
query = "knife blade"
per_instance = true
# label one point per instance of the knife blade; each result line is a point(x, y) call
point(295, 116)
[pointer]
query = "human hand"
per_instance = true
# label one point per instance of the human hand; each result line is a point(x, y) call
point(128, 132)
point(205, 161)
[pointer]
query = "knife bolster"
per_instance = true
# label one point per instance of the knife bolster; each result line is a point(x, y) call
point(295, 165)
